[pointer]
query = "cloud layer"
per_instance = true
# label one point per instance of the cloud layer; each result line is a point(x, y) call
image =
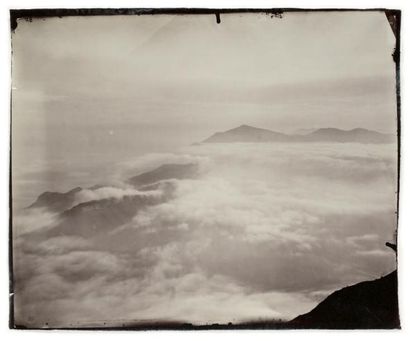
point(265, 231)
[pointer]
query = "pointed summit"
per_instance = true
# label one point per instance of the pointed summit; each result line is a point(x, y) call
point(246, 133)
point(245, 126)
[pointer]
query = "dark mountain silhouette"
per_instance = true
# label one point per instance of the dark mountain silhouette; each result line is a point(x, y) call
point(59, 201)
point(366, 305)
point(56, 201)
point(165, 172)
point(245, 133)
point(94, 217)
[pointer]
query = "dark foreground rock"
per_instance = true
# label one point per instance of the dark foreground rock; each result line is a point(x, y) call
point(366, 305)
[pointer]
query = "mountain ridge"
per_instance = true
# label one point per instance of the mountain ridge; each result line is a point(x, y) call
point(246, 133)
point(145, 181)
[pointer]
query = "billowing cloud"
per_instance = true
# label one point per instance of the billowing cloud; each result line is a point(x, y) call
point(265, 231)
point(34, 219)
point(108, 192)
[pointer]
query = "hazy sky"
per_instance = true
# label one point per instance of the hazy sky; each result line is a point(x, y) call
point(186, 74)
point(102, 89)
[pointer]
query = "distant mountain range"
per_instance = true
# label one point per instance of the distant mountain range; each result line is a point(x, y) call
point(245, 133)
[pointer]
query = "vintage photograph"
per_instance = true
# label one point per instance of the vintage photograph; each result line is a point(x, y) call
point(204, 169)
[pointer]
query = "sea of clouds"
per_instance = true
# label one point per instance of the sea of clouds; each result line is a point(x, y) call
point(265, 231)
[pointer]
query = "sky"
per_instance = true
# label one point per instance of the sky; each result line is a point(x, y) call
point(119, 81)
point(96, 100)
point(102, 89)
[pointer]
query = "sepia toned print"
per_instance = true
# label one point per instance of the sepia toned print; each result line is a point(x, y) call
point(204, 169)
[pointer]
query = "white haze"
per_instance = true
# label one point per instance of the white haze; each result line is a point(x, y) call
point(265, 232)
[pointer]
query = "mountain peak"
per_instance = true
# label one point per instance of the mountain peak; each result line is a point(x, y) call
point(245, 127)
point(245, 133)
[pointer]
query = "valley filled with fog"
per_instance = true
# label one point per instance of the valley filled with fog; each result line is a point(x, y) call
point(218, 232)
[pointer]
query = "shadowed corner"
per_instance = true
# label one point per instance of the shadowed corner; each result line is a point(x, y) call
point(394, 19)
point(365, 305)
